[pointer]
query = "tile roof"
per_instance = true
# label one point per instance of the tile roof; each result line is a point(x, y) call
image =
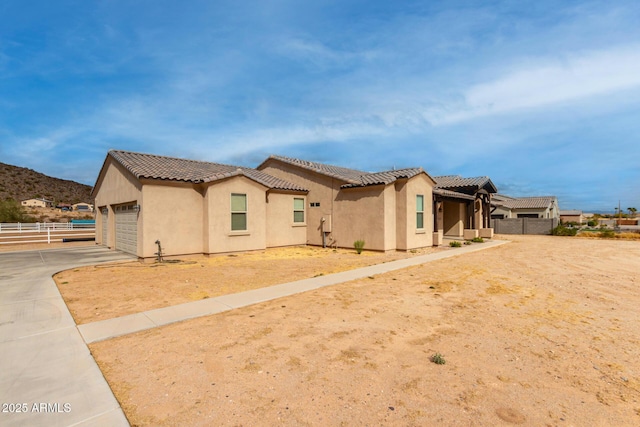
point(456, 181)
point(539, 202)
point(452, 194)
point(175, 169)
point(351, 177)
point(386, 177)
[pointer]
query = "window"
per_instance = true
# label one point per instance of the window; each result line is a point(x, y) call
point(238, 212)
point(298, 210)
point(419, 211)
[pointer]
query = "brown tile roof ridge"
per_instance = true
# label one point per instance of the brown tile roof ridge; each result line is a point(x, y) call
point(154, 166)
point(352, 177)
point(530, 202)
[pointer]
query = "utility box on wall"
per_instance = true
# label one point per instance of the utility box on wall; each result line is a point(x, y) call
point(326, 223)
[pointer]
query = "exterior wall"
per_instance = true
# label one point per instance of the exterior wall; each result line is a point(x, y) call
point(542, 213)
point(502, 211)
point(171, 213)
point(115, 186)
point(218, 236)
point(281, 230)
point(572, 218)
point(359, 214)
point(408, 235)
point(454, 215)
point(322, 190)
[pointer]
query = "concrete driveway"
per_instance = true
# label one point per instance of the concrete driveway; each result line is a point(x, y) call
point(47, 375)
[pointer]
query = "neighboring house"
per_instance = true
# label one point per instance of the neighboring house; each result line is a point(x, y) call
point(506, 207)
point(572, 216)
point(37, 203)
point(463, 206)
point(83, 207)
point(389, 210)
point(193, 207)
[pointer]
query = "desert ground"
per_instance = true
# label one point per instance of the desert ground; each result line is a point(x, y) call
point(542, 331)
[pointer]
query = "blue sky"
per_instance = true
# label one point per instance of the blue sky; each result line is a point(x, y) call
point(542, 96)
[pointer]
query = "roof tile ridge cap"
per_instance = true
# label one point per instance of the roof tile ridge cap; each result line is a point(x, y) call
point(222, 175)
point(117, 155)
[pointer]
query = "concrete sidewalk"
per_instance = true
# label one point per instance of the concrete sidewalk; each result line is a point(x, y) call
point(105, 329)
point(47, 375)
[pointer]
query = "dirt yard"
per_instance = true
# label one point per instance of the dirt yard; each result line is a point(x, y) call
point(543, 331)
point(107, 291)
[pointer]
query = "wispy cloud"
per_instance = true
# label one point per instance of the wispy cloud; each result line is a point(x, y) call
point(544, 83)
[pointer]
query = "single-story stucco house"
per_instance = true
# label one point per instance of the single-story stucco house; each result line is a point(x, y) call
point(194, 207)
point(37, 203)
point(572, 216)
point(506, 207)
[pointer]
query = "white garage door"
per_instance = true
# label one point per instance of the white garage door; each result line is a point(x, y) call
point(105, 224)
point(127, 229)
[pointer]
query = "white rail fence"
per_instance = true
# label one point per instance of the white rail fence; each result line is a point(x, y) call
point(44, 232)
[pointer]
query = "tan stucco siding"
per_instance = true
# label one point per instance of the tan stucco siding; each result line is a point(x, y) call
point(359, 214)
point(115, 186)
point(219, 236)
point(408, 235)
point(322, 191)
point(172, 213)
point(281, 229)
point(418, 238)
point(401, 214)
point(390, 217)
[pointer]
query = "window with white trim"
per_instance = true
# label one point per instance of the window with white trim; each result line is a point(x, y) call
point(238, 212)
point(419, 211)
point(298, 210)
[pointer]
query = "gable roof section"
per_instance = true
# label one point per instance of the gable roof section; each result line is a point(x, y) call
point(192, 171)
point(538, 202)
point(352, 177)
point(452, 194)
point(456, 182)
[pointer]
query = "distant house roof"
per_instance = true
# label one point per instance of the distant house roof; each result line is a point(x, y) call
point(39, 200)
point(539, 202)
point(193, 171)
point(351, 177)
point(460, 184)
point(571, 213)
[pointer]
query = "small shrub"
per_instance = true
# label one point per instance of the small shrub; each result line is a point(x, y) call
point(467, 242)
point(359, 245)
point(564, 231)
point(438, 359)
point(592, 223)
point(477, 240)
point(607, 234)
point(455, 244)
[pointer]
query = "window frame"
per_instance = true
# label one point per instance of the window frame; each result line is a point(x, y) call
point(236, 213)
point(419, 212)
point(300, 210)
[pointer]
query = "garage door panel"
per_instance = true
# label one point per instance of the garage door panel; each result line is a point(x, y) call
point(127, 228)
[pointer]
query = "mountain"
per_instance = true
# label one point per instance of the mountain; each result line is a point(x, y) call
point(21, 183)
